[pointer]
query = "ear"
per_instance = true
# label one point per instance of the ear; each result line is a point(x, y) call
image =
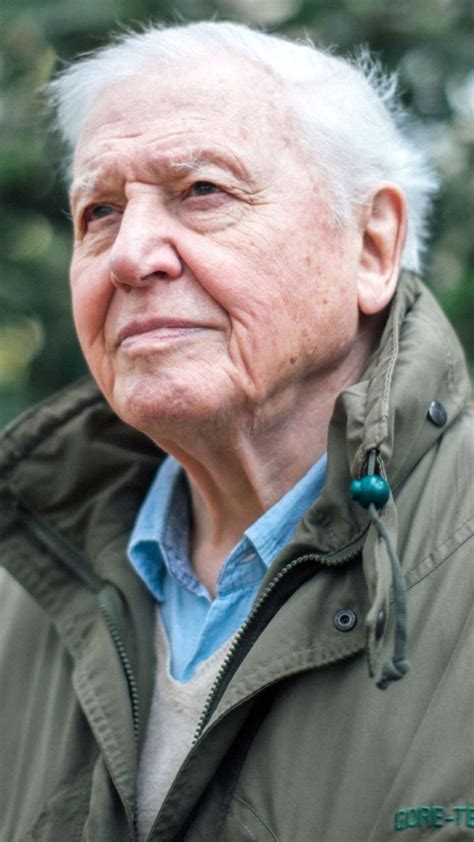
point(383, 237)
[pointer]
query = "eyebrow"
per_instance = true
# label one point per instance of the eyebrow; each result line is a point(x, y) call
point(83, 186)
point(188, 161)
point(199, 158)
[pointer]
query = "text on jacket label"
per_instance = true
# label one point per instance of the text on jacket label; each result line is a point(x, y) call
point(434, 816)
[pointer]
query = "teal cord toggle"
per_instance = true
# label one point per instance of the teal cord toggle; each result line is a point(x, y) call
point(372, 492)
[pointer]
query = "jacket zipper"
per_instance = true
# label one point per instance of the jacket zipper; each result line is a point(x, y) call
point(108, 612)
point(263, 611)
point(74, 563)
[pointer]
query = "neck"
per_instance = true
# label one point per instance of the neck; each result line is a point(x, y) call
point(242, 469)
point(238, 470)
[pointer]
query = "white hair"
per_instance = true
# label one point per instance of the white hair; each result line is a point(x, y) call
point(346, 110)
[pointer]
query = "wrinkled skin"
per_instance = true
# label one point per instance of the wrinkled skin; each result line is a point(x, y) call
point(256, 264)
point(216, 303)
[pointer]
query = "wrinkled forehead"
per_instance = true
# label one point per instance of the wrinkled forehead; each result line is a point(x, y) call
point(102, 172)
point(232, 97)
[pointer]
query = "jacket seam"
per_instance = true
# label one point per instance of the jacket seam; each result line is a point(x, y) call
point(450, 377)
point(98, 718)
point(236, 698)
point(414, 576)
point(252, 810)
point(385, 402)
point(79, 794)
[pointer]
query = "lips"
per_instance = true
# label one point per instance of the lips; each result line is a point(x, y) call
point(138, 327)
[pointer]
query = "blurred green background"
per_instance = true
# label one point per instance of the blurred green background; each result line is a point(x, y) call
point(430, 41)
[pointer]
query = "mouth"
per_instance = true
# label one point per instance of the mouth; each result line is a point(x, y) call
point(155, 329)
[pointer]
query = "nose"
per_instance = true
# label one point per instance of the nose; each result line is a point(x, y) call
point(145, 248)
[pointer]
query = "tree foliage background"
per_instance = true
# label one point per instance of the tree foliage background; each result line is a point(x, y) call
point(429, 41)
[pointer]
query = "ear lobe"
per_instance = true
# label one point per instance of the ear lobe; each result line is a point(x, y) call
point(383, 240)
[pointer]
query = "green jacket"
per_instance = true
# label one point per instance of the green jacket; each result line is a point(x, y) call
point(297, 743)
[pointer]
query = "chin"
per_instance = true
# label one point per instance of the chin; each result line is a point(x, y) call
point(165, 410)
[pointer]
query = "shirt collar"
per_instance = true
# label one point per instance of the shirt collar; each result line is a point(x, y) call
point(159, 542)
point(163, 508)
point(276, 526)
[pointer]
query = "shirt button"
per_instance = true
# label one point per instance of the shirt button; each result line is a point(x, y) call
point(437, 414)
point(345, 620)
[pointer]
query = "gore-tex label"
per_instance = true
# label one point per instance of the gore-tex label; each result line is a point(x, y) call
point(434, 816)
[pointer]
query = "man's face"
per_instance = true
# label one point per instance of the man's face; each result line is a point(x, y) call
point(207, 276)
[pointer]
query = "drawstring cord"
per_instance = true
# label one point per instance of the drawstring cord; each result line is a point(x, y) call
point(397, 665)
point(372, 492)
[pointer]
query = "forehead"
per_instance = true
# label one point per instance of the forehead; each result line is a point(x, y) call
point(231, 106)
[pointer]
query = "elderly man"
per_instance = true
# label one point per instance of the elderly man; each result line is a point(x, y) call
point(210, 559)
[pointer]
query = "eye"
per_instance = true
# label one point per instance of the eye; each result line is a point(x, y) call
point(203, 188)
point(96, 212)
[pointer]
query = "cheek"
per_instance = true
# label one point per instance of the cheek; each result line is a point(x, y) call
point(322, 306)
point(243, 274)
point(335, 321)
point(91, 294)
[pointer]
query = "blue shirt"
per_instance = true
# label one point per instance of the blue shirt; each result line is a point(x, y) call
point(197, 625)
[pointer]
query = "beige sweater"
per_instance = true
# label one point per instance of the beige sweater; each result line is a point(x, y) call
point(174, 715)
